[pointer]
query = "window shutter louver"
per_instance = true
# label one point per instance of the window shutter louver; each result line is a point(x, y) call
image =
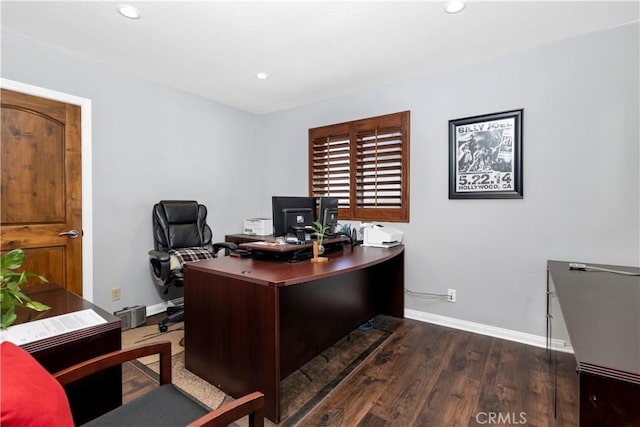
point(365, 164)
point(330, 174)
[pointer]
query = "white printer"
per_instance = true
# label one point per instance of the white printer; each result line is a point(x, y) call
point(381, 236)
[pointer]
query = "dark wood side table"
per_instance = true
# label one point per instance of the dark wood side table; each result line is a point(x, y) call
point(99, 393)
point(602, 315)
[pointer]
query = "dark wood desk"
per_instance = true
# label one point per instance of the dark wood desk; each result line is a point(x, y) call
point(99, 393)
point(249, 323)
point(602, 315)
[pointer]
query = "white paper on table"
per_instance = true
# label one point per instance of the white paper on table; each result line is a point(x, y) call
point(29, 332)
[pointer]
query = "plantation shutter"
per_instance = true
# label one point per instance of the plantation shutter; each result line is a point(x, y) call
point(380, 169)
point(365, 164)
point(330, 169)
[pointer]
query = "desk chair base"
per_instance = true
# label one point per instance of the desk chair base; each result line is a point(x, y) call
point(176, 314)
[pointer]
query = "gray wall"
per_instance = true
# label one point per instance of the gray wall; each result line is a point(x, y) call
point(581, 158)
point(581, 183)
point(150, 142)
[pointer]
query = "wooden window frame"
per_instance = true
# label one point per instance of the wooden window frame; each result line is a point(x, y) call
point(365, 163)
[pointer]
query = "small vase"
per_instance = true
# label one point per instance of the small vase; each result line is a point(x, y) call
point(316, 252)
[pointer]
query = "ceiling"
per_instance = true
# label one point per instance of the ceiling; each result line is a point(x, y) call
point(312, 50)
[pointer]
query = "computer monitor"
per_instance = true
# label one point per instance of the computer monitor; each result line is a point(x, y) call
point(291, 213)
point(328, 213)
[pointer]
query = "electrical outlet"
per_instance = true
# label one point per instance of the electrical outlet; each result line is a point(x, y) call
point(115, 294)
point(452, 295)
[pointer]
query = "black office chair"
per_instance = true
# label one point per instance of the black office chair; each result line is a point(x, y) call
point(180, 234)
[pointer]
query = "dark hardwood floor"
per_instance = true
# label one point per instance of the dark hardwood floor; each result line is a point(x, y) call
point(430, 375)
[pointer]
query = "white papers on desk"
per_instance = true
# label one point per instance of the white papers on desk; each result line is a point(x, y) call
point(26, 333)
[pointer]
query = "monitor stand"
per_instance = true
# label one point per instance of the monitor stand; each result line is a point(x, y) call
point(302, 234)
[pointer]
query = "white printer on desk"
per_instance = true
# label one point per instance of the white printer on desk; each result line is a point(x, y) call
point(381, 236)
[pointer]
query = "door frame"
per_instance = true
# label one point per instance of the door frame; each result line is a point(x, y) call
point(87, 202)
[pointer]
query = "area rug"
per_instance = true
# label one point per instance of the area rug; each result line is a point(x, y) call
point(150, 333)
point(300, 392)
point(200, 389)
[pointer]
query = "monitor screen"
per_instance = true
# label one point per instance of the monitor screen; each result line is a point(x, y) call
point(328, 213)
point(290, 212)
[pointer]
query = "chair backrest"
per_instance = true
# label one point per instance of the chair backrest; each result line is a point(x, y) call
point(30, 395)
point(180, 224)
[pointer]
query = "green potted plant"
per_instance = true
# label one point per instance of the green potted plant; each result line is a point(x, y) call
point(319, 231)
point(10, 293)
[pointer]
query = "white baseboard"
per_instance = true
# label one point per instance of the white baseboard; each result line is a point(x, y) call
point(162, 306)
point(450, 322)
point(492, 331)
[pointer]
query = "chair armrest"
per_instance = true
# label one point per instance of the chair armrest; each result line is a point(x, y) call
point(118, 357)
point(159, 255)
point(250, 404)
point(160, 266)
point(228, 246)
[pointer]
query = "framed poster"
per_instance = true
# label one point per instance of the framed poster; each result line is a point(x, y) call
point(485, 156)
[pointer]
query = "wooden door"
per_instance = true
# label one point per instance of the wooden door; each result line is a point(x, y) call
point(41, 200)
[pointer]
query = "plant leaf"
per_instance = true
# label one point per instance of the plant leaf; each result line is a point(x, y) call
point(37, 276)
point(12, 260)
point(37, 306)
point(16, 294)
point(7, 318)
point(10, 293)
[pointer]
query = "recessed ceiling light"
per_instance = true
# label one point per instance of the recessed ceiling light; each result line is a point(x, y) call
point(454, 6)
point(128, 11)
point(262, 75)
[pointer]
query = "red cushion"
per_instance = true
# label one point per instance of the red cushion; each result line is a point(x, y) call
point(29, 395)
